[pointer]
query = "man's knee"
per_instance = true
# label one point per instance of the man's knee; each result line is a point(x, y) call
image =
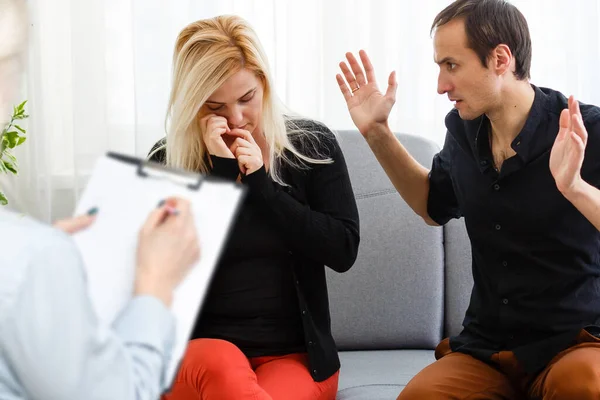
point(573, 380)
point(427, 384)
point(420, 391)
point(458, 376)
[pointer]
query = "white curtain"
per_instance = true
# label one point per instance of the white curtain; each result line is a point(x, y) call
point(99, 72)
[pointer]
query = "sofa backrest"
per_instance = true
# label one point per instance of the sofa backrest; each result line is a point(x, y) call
point(459, 277)
point(393, 296)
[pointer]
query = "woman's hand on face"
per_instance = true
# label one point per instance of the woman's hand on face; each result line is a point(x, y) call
point(246, 151)
point(214, 128)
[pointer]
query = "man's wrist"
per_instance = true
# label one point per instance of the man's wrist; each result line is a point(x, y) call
point(378, 131)
point(577, 191)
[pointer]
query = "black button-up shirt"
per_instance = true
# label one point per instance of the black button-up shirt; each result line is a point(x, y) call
point(536, 258)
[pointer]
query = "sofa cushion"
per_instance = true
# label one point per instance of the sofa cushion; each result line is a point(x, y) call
point(370, 392)
point(392, 297)
point(459, 278)
point(378, 375)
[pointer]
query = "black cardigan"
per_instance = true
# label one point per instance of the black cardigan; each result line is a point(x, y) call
point(317, 213)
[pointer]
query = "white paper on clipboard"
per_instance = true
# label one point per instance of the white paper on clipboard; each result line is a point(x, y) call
point(126, 189)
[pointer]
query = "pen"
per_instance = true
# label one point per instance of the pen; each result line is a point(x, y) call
point(172, 210)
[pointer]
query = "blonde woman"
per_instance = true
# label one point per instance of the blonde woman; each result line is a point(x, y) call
point(264, 332)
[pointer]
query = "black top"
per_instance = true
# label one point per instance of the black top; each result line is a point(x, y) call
point(269, 294)
point(536, 258)
point(252, 300)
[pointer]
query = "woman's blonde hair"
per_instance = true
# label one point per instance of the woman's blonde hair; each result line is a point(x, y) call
point(207, 53)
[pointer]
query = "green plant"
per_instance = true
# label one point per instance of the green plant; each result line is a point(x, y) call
point(12, 136)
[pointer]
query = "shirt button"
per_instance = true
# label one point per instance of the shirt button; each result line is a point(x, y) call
point(483, 162)
point(498, 227)
point(504, 301)
point(314, 371)
point(303, 312)
point(504, 263)
point(311, 343)
point(496, 187)
point(297, 282)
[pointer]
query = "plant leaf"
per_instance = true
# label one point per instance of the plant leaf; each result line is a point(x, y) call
point(12, 158)
point(9, 166)
point(3, 199)
point(21, 106)
point(21, 140)
point(11, 139)
point(20, 129)
point(20, 116)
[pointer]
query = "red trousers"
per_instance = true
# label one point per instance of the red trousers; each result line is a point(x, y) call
point(215, 369)
point(573, 374)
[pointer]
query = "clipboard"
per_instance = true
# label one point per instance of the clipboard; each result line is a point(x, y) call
point(126, 189)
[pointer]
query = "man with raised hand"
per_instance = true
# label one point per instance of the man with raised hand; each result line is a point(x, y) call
point(520, 164)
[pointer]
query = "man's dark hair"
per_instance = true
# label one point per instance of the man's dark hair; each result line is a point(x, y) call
point(489, 23)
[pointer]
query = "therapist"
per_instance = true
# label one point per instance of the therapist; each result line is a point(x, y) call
point(52, 345)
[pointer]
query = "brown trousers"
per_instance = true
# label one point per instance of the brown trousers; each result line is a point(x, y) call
point(573, 374)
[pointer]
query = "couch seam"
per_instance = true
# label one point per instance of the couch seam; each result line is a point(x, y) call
point(375, 193)
point(373, 384)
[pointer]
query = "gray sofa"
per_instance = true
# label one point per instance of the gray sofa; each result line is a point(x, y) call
point(409, 288)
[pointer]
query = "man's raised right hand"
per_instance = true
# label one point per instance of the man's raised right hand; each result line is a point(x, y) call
point(367, 105)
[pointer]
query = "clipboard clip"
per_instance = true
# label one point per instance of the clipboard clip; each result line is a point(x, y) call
point(154, 170)
point(150, 169)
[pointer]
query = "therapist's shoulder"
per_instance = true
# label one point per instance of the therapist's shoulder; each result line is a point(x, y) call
point(33, 249)
point(23, 236)
point(26, 239)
